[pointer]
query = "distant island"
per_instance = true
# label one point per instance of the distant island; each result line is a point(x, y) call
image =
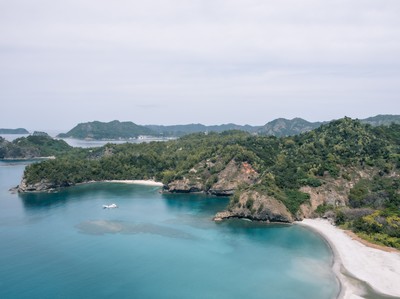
point(13, 131)
point(345, 170)
point(113, 130)
point(116, 130)
point(33, 146)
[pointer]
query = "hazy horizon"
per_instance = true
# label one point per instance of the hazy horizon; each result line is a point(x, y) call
point(211, 62)
point(64, 130)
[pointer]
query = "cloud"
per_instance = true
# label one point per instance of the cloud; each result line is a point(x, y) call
point(200, 53)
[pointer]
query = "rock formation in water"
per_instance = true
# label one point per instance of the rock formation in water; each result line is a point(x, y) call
point(37, 187)
point(256, 206)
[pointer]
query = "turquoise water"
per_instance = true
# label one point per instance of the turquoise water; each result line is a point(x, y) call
point(64, 245)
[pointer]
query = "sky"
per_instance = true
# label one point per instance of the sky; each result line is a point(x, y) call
point(196, 61)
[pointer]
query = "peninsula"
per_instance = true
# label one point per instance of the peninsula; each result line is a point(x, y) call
point(345, 171)
point(33, 146)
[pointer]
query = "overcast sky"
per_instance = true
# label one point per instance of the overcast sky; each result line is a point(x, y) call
point(196, 61)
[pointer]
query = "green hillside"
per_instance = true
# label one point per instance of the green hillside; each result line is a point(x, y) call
point(32, 146)
point(287, 127)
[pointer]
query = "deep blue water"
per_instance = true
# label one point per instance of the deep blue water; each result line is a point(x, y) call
point(64, 245)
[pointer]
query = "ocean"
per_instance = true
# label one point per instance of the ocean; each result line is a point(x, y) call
point(65, 245)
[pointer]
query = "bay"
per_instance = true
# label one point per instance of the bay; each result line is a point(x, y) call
point(65, 245)
point(83, 143)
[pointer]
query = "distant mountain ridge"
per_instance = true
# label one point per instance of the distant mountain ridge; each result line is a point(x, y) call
point(381, 120)
point(180, 130)
point(286, 127)
point(279, 127)
point(14, 131)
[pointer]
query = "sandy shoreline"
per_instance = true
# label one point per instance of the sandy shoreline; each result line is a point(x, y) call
point(379, 269)
point(138, 182)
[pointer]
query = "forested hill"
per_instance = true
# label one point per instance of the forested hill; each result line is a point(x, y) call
point(37, 145)
point(345, 169)
point(279, 127)
point(287, 127)
point(107, 131)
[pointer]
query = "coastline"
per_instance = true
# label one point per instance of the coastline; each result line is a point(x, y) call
point(137, 182)
point(42, 187)
point(27, 159)
point(356, 265)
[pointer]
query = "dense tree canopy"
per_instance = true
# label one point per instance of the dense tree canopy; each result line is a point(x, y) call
point(32, 147)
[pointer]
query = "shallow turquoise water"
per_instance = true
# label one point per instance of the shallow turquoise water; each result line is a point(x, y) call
point(64, 245)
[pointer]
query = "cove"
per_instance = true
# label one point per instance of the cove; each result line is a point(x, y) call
point(64, 245)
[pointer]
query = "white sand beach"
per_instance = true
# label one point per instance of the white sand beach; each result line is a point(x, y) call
point(139, 182)
point(379, 269)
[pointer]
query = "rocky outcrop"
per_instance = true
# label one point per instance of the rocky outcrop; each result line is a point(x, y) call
point(184, 186)
point(226, 181)
point(333, 191)
point(256, 206)
point(38, 187)
point(232, 176)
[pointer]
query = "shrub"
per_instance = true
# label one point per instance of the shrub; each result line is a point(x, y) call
point(249, 203)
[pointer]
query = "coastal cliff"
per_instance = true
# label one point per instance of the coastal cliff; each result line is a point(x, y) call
point(42, 186)
point(255, 206)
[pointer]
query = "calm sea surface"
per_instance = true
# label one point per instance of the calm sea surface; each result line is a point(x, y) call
point(64, 245)
point(88, 143)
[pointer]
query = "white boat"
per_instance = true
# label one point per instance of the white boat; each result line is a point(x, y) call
point(111, 206)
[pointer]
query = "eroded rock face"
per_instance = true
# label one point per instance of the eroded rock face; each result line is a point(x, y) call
point(333, 192)
point(184, 186)
point(228, 180)
point(232, 176)
point(256, 206)
point(37, 187)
